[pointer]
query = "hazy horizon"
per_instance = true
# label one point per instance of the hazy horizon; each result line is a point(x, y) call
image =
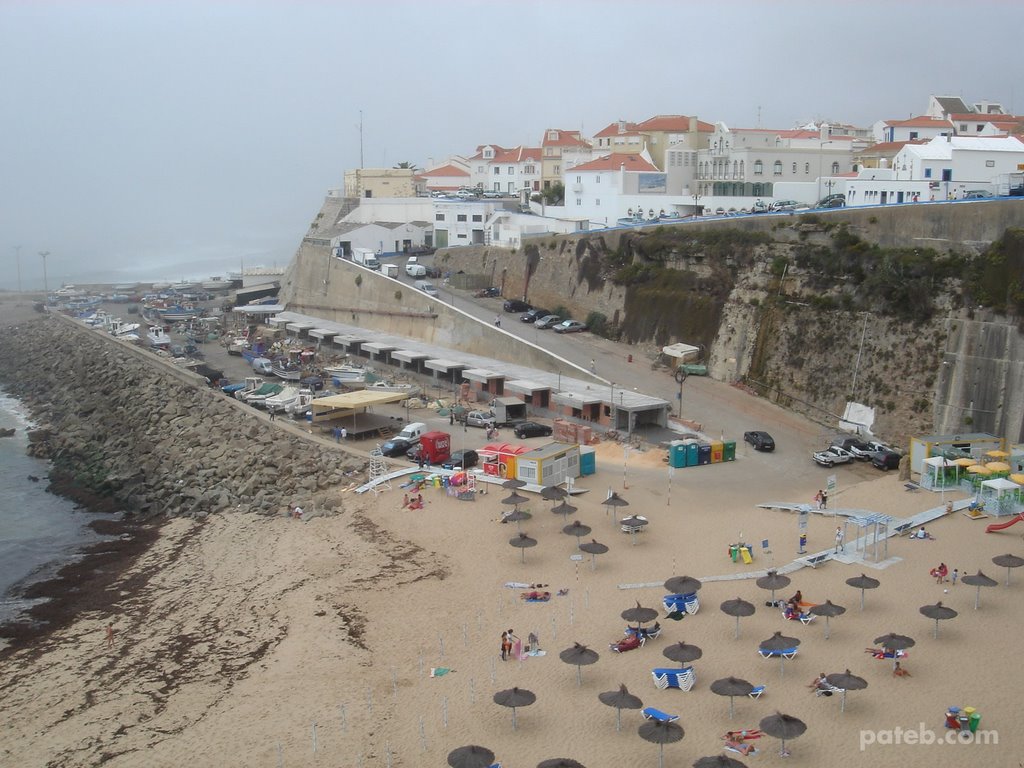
point(178, 140)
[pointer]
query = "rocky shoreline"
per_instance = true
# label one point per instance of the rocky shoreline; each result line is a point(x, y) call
point(125, 431)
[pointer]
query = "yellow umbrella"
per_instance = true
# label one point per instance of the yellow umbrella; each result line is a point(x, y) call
point(965, 462)
point(1019, 479)
point(998, 466)
point(997, 454)
point(978, 469)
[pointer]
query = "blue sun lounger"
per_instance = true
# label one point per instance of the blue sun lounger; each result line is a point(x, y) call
point(683, 679)
point(650, 713)
point(789, 653)
point(688, 603)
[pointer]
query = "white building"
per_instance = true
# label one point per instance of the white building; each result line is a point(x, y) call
point(954, 164)
point(912, 129)
point(497, 169)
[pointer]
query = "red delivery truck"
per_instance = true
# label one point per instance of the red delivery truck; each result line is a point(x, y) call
point(436, 447)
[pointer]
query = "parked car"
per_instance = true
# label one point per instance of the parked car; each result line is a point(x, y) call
point(482, 419)
point(570, 326)
point(465, 458)
point(515, 305)
point(856, 446)
point(488, 293)
point(534, 315)
point(427, 287)
point(886, 460)
point(492, 194)
point(526, 429)
point(761, 441)
point(548, 321)
point(977, 194)
point(831, 456)
point(833, 203)
point(784, 205)
point(396, 446)
point(466, 194)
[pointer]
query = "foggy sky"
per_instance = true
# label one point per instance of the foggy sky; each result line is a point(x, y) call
point(168, 140)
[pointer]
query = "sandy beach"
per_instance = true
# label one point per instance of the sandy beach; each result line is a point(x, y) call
point(244, 640)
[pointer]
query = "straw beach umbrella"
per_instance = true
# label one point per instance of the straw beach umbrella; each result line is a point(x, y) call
point(515, 499)
point(513, 698)
point(779, 642)
point(893, 642)
point(634, 523)
point(848, 682)
point(579, 655)
point(639, 614)
point(682, 585)
point(553, 493)
point(577, 529)
point(512, 483)
point(863, 582)
point(471, 756)
point(523, 542)
point(939, 612)
point(719, 761)
point(620, 699)
point(516, 516)
point(783, 727)
point(731, 687)
point(593, 548)
point(773, 580)
point(661, 732)
point(614, 500)
point(564, 509)
point(560, 762)
point(1008, 562)
point(829, 610)
point(978, 580)
point(737, 608)
point(683, 653)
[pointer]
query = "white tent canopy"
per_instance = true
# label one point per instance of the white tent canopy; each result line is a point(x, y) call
point(999, 486)
point(933, 467)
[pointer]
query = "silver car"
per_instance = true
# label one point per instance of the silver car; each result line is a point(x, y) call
point(482, 419)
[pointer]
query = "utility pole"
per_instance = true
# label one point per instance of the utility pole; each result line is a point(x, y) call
point(17, 257)
point(46, 287)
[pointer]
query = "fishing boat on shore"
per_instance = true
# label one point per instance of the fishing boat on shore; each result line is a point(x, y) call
point(287, 370)
point(409, 390)
point(158, 337)
point(346, 374)
point(280, 402)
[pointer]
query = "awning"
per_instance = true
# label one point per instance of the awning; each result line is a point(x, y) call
point(575, 399)
point(444, 366)
point(299, 327)
point(376, 347)
point(322, 333)
point(351, 401)
point(408, 355)
point(258, 309)
point(482, 375)
point(525, 387)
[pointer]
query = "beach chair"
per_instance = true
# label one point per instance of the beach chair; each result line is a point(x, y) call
point(881, 653)
point(803, 618)
point(756, 692)
point(643, 633)
point(674, 604)
point(787, 653)
point(634, 528)
point(824, 689)
point(683, 679)
point(650, 713)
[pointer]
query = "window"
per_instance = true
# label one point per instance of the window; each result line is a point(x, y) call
point(579, 201)
point(835, 168)
point(461, 217)
point(758, 168)
point(438, 217)
point(597, 201)
point(990, 163)
point(497, 171)
point(579, 179)
point(962, 128)
point(913, 135)
point(477, 217)
point(979, 128)
point(511, 170)
point(807, 168)
point(597, 179)
point(794, 167)
point(558, 170)
point(777, 168)
point(927, 173)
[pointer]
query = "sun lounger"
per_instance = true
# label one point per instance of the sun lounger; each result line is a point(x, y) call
point(756, 692)
point(683, 679)
point(788, 653)
point(803, 618)
point(824, 689)
point(644, 633)
point(881, 653)
point(650, 713)
point(741, 748)
point(681, 604)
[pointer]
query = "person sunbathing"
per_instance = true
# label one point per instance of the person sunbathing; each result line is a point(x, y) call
point(630, 643)
point(535, 595)
point(819, 683)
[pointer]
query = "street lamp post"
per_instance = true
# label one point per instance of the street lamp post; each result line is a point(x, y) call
point(46, 287)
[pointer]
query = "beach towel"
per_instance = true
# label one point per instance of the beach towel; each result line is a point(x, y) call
point(517, 651)
point(439, 671)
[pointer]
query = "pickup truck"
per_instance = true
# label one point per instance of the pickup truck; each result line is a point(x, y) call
point(859, 448)
point(832, 455)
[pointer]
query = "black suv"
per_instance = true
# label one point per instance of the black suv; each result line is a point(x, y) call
point(534, 315)
point(886, 460)
point(515, 305)
point(761, 441)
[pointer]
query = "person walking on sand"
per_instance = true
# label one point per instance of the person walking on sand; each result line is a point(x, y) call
point(110, 635)
point(954, 576)
point(593, 366)
point(817, 499)
point(506, 644)
point(273, 415)
point(824, 499)
point(840, 535)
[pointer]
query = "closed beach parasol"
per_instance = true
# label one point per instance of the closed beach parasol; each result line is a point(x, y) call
point(737, 608)
point(639, 614)
point(471, 756)
point(893, 642)
point(1008, 562)
point(773, 580)
point(978, 580)
point(682, 585)
point(512, 483)
point(524, 542)
point(782, 727)
point(553, 493)
point(620, 699)
point(579, 655)
point(560, 762)
point(593, 548)
point(564, 509)
point(829, 610)
point(577, 529)
point(661, 732)
point(516, 516)
point(682, 652)
point(719, 761)
point(863, 582)
point(778, 643)
point(939, 612)
point(731, 687)
point(848, 682)
point(513, 698)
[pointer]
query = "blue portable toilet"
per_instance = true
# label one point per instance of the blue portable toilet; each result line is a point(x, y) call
point(703, 453)
point(692, 454)
point(588, 460)
point(677, 454)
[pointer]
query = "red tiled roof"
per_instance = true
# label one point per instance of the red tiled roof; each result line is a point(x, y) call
point(921, 121)
point(613, 130)
point(679, 123)
point(444, 170)
point(518, 155)
point(890, 147)
point(565, 139)
point(615, 161)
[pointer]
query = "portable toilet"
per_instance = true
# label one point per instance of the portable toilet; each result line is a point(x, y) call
point(717, 449)
point(677, 454)
point(692, 453)
point(588, 460)
point(729, 452)
point(703, 453)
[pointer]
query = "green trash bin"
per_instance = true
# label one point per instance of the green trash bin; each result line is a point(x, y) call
point(730, 451)
point(972, 721)
point(734, 552)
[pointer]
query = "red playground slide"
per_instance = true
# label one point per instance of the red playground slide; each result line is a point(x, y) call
point(1007, 524)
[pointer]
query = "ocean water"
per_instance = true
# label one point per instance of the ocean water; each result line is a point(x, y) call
point(39, 531)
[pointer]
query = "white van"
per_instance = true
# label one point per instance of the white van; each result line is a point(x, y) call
point(427, 287)
point(262, 366)
point(412, 431)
